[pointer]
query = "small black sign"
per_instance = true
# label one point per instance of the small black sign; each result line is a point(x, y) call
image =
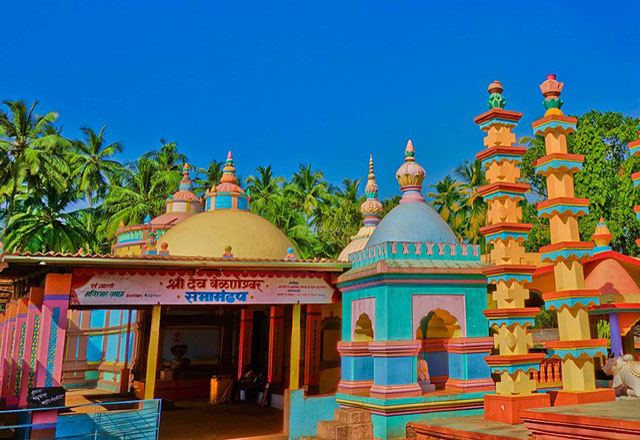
point(49, 397)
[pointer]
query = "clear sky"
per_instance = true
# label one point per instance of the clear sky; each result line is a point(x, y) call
point(325, 83)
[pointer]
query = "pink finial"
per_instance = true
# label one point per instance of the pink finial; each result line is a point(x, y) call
point(551, 76)
point(185, 173)
point(229, 155)
point(409, 152)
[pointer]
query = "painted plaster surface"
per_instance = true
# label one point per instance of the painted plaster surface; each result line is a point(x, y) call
point(454, 304)
point(306, 412)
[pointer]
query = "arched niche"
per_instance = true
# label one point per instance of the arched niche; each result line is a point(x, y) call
point(363, 329)
point(439, 324)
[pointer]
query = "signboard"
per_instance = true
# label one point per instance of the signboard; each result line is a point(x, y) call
point(186, 288)
point(49, 397)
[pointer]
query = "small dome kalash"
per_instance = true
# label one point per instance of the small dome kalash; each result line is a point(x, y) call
point(227, 229)
point(371, 210)
point(412, 220)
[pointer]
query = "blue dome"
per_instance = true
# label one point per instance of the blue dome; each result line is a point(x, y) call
point(416, 222)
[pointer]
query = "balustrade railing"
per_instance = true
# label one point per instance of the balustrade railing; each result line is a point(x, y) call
point(550, 372)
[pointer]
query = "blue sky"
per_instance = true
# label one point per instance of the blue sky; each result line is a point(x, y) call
point(325, 83)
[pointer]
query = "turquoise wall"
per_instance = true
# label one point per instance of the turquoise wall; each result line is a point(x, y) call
point(306, 412)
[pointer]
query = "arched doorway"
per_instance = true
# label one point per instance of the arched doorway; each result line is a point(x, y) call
point(364, 329)
point(439, 324)
point(434, 330)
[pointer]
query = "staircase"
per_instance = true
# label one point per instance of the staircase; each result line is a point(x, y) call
point(349, 424)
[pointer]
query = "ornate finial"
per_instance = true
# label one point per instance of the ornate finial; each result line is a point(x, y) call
point(164, 248)
point(551, 90)
point(409, 152)
point(602, 237)
point(371, 208)
point(496, 100)
point(121, 224)
point(151, 243)
point(229, 171)
point(291, 256)
point(147, 219)
point(410, 176)
point(227, 250)
point(185, 183)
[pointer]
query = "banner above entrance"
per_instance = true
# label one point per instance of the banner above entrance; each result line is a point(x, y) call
point(115, 288)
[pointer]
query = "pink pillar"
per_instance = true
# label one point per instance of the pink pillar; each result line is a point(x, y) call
point(7, 348)
point(312, 345)
point(246, 335)
point(29, 360)
point(14, 384)
point(54, 326)
point(276, 344)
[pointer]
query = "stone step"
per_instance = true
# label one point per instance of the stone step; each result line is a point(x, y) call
point(332, 430)
point(349, 416)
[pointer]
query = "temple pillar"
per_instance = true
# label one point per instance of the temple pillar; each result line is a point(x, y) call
point(29, 360)
point(57, 288)
point(467, 366)
point(576, 348)
point(312, 346)
point(15, 382)
point(246, 335)
point(504, 233)
point(356, 372)
point(294, 364)
point(276, 344)
point(7, 346)
point(616, 337)
point(152, 353)
point(395, 369)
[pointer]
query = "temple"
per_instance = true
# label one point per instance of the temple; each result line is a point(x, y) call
point(410, 333)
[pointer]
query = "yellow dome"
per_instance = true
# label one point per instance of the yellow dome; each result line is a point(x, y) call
point(208, 233)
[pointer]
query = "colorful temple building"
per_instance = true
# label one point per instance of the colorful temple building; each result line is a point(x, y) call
point(410, 333)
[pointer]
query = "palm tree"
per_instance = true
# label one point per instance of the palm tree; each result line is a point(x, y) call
point(473, 177)
point(262, 187)
point(212, 175)
point(30, 148)
point(92, 164)
point(307, 188)
point(45, 224)
point(143, 193)
point(448, 202)
point(169, 162)
point(349, 190)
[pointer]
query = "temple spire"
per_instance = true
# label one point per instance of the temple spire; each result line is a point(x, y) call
point(410, 176)
point(602, 237)
point(229, 171)
point(185, 183)
point(371, 208)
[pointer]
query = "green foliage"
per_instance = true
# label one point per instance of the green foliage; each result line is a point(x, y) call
point(605, 179)
point(546, 319)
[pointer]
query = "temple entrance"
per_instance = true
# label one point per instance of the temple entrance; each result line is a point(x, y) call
point(260, 342)
point(435, 329)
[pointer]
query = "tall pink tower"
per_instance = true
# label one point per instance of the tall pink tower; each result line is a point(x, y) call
point(634, 148)
point(509, 273)
point(576, 348)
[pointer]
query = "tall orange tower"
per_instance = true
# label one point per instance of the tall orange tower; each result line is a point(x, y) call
point(504, 234)
point(571, 299)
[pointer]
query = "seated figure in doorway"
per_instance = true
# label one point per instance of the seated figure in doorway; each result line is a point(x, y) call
point(423, 376)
